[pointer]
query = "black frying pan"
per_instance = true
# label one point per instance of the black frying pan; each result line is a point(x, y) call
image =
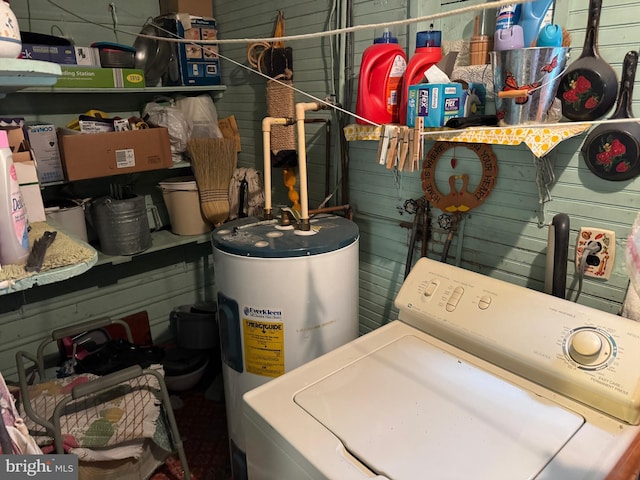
point(588, 88)
point(611, 150)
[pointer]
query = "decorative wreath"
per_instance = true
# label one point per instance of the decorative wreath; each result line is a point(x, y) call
point(459, 201)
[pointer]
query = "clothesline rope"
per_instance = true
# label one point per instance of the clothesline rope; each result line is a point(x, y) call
point(307, 36)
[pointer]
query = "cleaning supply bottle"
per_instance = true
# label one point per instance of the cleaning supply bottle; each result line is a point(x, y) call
point(14, 235)
point(507, 16)
point(380, 81)
point(428, 53)
point(532, 19)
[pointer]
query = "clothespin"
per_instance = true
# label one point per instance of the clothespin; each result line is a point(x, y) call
point(392, 153)
point(403, 146)
point(417, 145)
point(383, 145)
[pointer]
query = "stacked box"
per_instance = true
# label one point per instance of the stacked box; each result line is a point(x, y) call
point(203, 8)
point(76, 76)
point(435, 102)
point(198, 63)
point(26, 171)
point(93, 155)
point(62, 54)
point(44, 143)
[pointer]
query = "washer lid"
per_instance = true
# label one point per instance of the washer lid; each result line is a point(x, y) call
point(410, 409)
point(252, 237)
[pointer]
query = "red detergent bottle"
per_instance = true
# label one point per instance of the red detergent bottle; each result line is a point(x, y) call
point(380, 81)
point(428, 53)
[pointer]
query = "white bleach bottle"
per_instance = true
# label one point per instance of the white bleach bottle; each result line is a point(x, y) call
point(14, 225)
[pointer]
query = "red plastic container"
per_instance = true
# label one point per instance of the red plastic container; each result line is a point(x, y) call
point(380, 81)
point(428, 53)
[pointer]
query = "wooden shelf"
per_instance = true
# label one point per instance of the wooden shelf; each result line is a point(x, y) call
point(54, 275)
point(17, 74)
point(539, 138)
point(160, 240)
point(216, 90)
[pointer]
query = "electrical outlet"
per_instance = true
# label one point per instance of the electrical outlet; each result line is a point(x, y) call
point(600, 246)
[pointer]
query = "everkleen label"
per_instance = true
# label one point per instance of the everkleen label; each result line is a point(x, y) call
point(264, 347)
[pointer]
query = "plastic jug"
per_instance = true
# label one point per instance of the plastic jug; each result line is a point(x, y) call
point(380, 81)
point(531, 19)
point(14, 225)
point(428, 53)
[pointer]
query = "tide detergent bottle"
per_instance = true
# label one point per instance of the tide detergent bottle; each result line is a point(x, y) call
point(428, 53)
point(380, 81)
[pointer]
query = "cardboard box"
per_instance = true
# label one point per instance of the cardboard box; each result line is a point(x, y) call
point(79, 76)
point(93, 155)
point(27, 174)
point(474, 99)
point(198, 64)
point(49, 53)
point(87, 56)
point(44, 143)
point(201, 8)
point(435, 102)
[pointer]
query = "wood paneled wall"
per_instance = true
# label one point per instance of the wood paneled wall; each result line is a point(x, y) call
point(502, 238)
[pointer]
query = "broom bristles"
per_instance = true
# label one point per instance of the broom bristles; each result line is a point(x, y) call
point(213, 161)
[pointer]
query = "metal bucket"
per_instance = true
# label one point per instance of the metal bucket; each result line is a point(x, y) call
point(122, 225)
point(534, 71)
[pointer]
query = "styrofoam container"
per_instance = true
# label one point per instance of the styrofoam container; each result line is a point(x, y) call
point(180, 195)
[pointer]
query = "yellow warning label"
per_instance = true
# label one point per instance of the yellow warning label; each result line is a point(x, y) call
point(264, 347)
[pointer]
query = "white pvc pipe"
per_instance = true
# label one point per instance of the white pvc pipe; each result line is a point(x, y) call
point(266, 152)
point(302, 160)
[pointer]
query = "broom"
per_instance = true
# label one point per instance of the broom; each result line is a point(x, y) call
point(213, 161)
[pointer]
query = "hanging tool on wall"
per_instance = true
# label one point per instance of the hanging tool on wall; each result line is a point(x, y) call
point(419, 227)
point(449, 223)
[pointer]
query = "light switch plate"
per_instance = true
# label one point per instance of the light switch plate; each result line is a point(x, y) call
point(599, 263)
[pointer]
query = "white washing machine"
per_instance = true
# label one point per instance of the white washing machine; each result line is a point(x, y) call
point(477, 378)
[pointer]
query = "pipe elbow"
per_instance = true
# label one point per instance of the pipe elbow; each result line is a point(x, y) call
point(301, 108)
point(268, 121)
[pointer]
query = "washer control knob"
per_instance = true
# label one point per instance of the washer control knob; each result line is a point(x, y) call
point(586, 343)
point(587, 348)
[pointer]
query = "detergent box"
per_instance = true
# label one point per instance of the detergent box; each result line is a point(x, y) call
point(435, 102)
point(197, 63)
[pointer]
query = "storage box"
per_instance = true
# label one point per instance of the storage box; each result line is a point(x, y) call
point(63, 54)
point(76, 76)
point(202, 8)
point(44, 143)
point(435, 102)
point(93, 155)
point(198, 64)
point(27, 174)
point(474, 99)
point(87, 56)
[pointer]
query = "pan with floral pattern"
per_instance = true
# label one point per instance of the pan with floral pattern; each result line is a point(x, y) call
point(611, 150)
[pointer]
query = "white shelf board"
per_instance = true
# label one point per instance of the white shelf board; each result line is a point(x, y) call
point(145, 90)
point(160, 240)
point(17, 74)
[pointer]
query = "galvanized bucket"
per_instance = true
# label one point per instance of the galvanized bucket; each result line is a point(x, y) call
point(533, 75)
point(122, 224)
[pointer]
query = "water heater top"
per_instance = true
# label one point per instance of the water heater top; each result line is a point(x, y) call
point(255, 238)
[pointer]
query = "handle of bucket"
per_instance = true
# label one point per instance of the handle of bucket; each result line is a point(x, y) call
point(157, 223)
point(513, 93)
